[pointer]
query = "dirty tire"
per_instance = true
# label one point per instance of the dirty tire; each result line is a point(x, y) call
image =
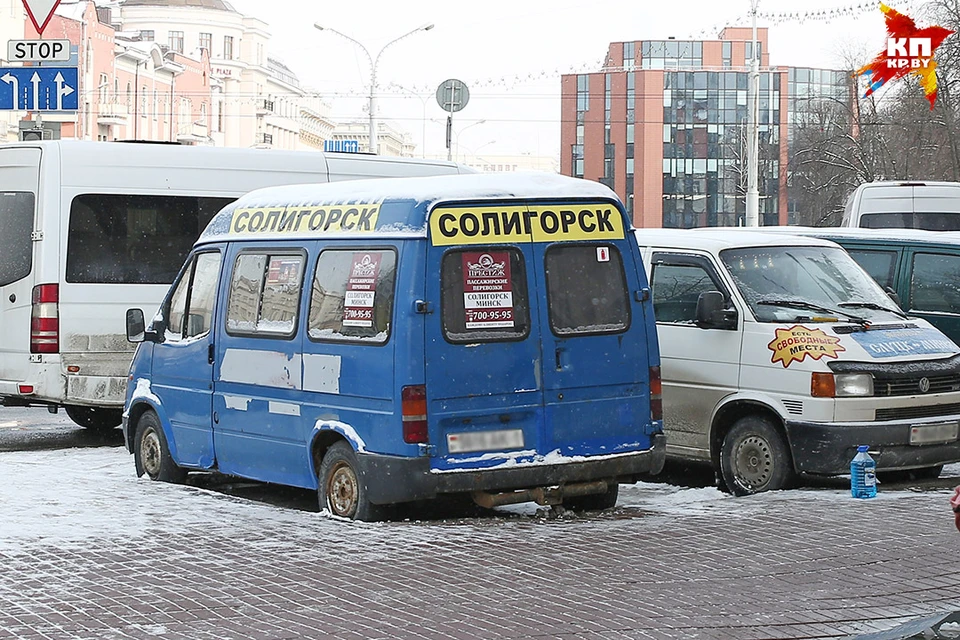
point(595, 501)
point(94, 418)
point(340, 486)
point(151, 454)
point(754, 457)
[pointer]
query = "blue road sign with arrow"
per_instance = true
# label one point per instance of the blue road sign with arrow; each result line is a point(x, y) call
point(39, 88)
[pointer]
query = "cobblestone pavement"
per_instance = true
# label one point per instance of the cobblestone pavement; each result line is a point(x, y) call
point(87, 551)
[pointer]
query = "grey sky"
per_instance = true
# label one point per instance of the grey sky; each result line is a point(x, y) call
point(510, 54)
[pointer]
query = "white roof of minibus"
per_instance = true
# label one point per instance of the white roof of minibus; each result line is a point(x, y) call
point(480, 186)
point(913, 236)
point(716, 239)
point(79, 153)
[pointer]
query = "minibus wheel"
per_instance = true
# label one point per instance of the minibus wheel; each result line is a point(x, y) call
point(754, 457)
point(340, 486)
point(151, 454)
point(94, 418)
point(594, 501)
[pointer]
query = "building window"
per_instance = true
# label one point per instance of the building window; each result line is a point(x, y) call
point(104, 87)
point(146, 35)
point(206, 42)
point(228, 47)
point(176, 41)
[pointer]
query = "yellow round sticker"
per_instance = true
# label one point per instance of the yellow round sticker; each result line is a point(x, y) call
point(798, 342)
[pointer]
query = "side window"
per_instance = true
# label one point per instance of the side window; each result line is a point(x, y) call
point(265, 294)
point(197, 291)
point(484, 295)
point(177, 306)
point(676, 289)
point(203, 293)
point(935, 283)
point(586, 290)
point(352, 296)
point(16, 247)
point(879, 264)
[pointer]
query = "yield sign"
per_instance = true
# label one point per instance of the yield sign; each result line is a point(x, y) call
point(40, 12)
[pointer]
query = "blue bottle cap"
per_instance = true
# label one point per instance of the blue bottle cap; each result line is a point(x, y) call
point(863, 447)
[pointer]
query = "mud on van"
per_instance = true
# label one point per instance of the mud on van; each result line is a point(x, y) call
point(386, 341)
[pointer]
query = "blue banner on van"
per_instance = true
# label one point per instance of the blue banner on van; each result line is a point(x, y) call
point(889, 343)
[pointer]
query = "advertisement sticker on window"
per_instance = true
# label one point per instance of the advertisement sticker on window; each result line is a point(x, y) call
point(361, 287)
point(283, 271)
point(487, 294)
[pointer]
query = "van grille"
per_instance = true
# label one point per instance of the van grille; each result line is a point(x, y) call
point(910, 386)
point(929, 411)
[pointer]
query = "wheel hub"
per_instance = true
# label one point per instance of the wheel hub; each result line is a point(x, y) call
point(343, 491)
point(150, 453)
point(754, 462)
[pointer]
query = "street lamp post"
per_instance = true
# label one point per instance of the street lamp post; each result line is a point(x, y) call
point(372, 105)
point(457, 137)
point(753, 125)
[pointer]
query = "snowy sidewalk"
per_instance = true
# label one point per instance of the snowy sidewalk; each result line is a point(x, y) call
point(87, 551)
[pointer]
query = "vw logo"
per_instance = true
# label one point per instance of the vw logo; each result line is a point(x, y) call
point(924, 385)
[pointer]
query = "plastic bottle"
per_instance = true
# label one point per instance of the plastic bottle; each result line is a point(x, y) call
point(863, 474)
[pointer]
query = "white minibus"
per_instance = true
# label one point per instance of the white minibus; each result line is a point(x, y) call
point(90, 229)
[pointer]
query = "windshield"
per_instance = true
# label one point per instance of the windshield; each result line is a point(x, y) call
point(810, 284)
point(930, 221)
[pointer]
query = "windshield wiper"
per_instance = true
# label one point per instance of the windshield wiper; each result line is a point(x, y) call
point(862, 304)
point(803, 304)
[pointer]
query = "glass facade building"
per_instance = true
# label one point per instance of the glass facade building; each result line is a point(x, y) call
point(664, 124)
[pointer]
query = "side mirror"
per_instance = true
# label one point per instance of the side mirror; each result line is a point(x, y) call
point(712, 312)
point(136, 328)
point(893, 296)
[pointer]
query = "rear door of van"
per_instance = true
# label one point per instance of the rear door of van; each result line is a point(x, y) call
point(483, 349)
point(536, 349)
point(19, 195)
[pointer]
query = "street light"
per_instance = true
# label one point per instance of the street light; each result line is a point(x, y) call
point(372, 145)
point(474, 151)
point(423, 119)
point(457, 139)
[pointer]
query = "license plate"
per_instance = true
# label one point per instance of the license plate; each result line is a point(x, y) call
point(485, 441)
point(933, 433)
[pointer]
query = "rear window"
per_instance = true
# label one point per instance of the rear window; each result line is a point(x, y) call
point(928, 221)
point(134, 239)
point(484, 295)
point(586, 290)
point(16, 225)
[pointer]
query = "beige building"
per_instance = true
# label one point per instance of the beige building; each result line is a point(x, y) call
point(256, 100)
point(392, 141)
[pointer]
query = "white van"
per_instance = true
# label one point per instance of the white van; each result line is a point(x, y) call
point(934, 206)
point(780, 355)
point(90, 229)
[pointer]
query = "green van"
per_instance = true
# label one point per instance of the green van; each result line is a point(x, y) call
point(921, 267)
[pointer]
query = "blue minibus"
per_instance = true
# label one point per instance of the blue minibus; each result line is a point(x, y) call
point(394, 340)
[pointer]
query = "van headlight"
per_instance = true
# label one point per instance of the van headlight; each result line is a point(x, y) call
point(841, 385)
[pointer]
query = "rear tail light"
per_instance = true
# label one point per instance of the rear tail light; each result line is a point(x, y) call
point(413, 401)
point(45, 319)
point(25, 389)
point(656, 394)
